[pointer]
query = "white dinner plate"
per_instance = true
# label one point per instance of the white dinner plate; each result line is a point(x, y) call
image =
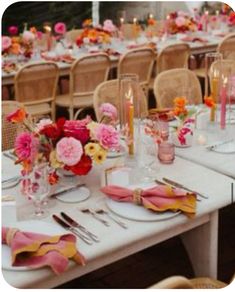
point(75, 196)
point(138, 213)
point(115, 154)
point(227, 148)
point(30, 226)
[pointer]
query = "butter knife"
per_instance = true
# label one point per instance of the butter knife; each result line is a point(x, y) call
point(75, 224)
point(71, 229)
point(178, 185)
point(214, 145)
point(67, 190)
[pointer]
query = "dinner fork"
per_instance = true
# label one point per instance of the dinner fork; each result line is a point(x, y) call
point(120, 223)
point(93, 214)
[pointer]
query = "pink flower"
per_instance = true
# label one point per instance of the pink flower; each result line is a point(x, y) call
point(6, 43)
point(42, 123)
point(182, 13)
point(60, 28)
point(107, 109)
point(69, 151)
point(26, 146)
point(39, 35)
point(180, 21)
point(28, 36)
point(107, 136)
point(109, 26)
point(13, 30)
point(78, 130)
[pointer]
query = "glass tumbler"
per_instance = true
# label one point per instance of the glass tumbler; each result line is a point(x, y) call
point(166, 152)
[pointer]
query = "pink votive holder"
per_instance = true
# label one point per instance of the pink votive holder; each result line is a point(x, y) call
point(166, 152)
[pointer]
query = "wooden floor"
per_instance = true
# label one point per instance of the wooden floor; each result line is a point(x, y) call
point(163, 260)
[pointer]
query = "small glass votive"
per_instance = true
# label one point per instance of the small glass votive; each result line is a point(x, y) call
point(166, 152)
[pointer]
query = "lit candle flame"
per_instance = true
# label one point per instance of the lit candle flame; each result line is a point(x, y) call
point(129, 95)
point(121, 20)
point(47, 28)
point(151, 16)
point(134, 20)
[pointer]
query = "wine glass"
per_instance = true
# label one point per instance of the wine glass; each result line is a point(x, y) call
point(35, 187)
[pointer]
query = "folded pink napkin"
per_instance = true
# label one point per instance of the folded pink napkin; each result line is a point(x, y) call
point(158, 198)
point(37, 250)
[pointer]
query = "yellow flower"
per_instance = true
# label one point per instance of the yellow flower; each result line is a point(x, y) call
point(92, 148)
point(100, 156)
point(55, 163)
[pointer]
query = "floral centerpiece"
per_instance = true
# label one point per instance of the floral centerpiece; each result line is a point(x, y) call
point(182, 137)
point(95, 35)
point(72, 145)
point(180, 22)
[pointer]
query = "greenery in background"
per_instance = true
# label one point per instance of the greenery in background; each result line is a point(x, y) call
point(36, 13)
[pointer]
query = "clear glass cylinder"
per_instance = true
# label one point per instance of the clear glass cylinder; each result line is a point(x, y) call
point(129, 109)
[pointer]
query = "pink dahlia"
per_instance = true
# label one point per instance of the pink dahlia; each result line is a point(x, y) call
point(180, 21)
point(107, 136)
point(13, 30)
point(69, 151)
point(60, 28)
point(6, 43)
point(109, 26)
point(107, 109)
point(26, 146)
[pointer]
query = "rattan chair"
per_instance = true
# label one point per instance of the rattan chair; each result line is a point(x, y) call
point(179, 282)
point(138, 61)
point(9, 130)
point(108, 92)
point(227, 47)
point(174, 83)
point(85, 74)
point(35, 87)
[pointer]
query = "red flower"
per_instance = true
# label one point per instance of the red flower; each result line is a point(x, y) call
point(79, 41)
point(53, 178)
point(82, 167)
point(54, 131)
point(17, 117)
point(77, 130)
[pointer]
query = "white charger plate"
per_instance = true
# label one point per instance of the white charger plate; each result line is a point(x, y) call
point(74, 196)
point(227, 148)
point(30, 226)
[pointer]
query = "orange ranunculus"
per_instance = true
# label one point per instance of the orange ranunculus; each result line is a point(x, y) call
point(209, 101)
point(180, 102)
point(180, 111)
point(33, 29)
point(17, 117)
point(15, 49)
point(15, 39)
point(151, 21)
point(87, 22)
point(53, 178)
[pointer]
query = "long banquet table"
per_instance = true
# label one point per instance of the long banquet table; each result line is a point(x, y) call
point(199, 234)
point(196, 48)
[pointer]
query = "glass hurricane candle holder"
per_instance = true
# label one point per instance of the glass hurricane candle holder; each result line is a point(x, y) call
point(166, 152)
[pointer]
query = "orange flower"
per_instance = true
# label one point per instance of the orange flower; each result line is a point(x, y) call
point(15, 39)
point(15, 49)
point(180, 111)
point(17, 117)
point(209, 101)
point(33, 29)
point(53, 178)
point(180, 102)
point(151, 21)
point(87, 22)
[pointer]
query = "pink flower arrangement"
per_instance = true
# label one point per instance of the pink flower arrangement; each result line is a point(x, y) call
point(13, 30)
point(180, 21)
point(60, 28)
point(6, 43)
point(70, 145)
point(28, 36)
point(69, 151)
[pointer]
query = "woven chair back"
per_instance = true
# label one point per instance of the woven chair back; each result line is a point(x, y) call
point(227, 47)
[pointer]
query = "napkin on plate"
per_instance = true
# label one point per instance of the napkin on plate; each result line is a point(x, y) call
point(35, 250)
point(158, 198)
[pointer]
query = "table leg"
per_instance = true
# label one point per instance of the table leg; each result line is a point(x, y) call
point(201, 244)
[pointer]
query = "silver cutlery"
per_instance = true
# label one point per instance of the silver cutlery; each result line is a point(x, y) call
point(217, 144)
point(67, 190)
point(165, 184)
point(17, 177)
point(72, 229)
point(7, 198)
point(9, 155)
point(120, 223)
point(75, 224)
point(88, 211)
point(178, 185)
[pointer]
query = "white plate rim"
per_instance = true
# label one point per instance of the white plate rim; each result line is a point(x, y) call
point(218, 150)
point(25, 226)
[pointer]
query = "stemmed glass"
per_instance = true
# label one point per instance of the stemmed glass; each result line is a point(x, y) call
point(35, 187)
